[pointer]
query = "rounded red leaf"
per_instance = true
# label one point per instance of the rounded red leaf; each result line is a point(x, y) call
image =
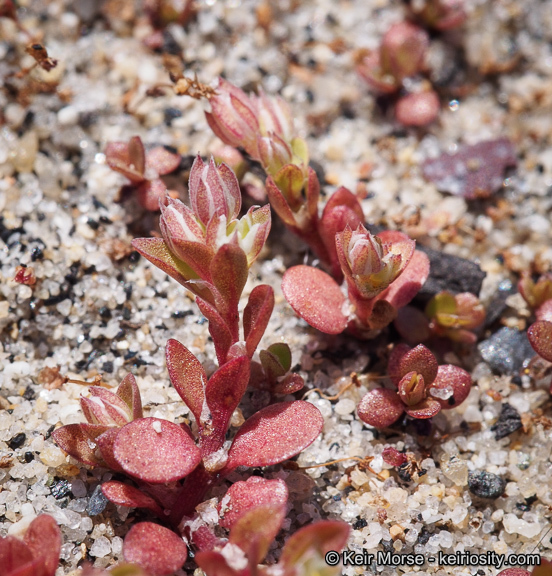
point(125, 495)
point(155, 450)
point(514, 572)
point(380, 408)
point(159, 550)
point(420, 360)
point(540, 337)
point(44, 541)
point(275, 433)
point(316, 297)
point(449, 379)
point(251, 493)
point(427, 408)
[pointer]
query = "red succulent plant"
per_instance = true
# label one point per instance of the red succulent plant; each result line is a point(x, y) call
point(423, 388)
point(401, 55)
point(383, 273)
point(142, 168)
point(172, 468)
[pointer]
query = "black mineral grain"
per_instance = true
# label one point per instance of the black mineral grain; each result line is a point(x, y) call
point(509, 421)
point(485, 484)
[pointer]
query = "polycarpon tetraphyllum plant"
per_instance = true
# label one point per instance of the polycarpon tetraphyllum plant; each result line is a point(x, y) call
point(422, 388)
point(208, 249)
point(142, 168)
point(172, 468)
point(383, 272)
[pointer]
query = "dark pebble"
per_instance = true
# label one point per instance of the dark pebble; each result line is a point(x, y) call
point(17, 441)
point(170, 114)
point(29, 457)
point(424, 536)
point(509, 421)
point(60, 489)
point(506, 351)
point(97, 502)
point(37, 254)
point(403, 473)
point(485, 484)
point(133, 257)
point(182, 313)
point(108, 367)
point(451, 273)
point(359, 524)
point(29, 393)
point(105, 312)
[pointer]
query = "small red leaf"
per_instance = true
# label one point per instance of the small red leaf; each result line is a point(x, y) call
point(254, 531)
point(279, 203)
point(257, 315)
point(155, 450)
point(223, 394)
point(159, 550)
point(316, 539)
point(125, 495)
point(15, 557)
point(289, 385)
point(118, 158)
point(274, 434)
point(229, 273)
point(420, 360)
point(380, 408)
point(187, 376)
point(129, 393)
point(94, 430)
point(540, 337)
point(408, 284)
point(251, 493)
point(342, 209)
point(137, 154)
point(44, 541)
point(215, 564)
point(105, 444)
point(316, 297)
point(156, 251)
point(425, 409)
point(456, 380)
point(76, 443)
point(151, 193)
point(114, 405)
point(162, 161)
point(394, 362)
point(220, 333)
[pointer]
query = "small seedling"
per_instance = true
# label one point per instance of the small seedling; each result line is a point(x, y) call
point(423, 388)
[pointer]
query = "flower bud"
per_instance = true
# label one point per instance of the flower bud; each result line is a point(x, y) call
point(214, 191)
point(368, 262)
point(252, 231)
point(105, 408)
point(403, 50)
point(233, 117)
point(274, 153)
point(274, 116)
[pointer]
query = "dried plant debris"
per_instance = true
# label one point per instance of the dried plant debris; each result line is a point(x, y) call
point(474, 171)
